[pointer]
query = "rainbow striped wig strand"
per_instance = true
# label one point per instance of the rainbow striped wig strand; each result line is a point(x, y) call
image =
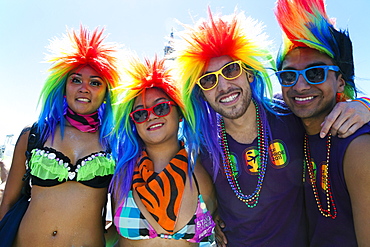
point(306, 24)
point(137, 78)
point(72, 51)
point(236, 36)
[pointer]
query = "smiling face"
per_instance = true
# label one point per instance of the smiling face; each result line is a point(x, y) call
point(311, 102)
point(156, 129)
point(85, 90)
point(230, 98)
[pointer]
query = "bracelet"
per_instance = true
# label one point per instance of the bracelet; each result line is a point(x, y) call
point(365, 101)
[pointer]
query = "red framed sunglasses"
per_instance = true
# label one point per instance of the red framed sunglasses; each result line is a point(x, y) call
point(160, 110)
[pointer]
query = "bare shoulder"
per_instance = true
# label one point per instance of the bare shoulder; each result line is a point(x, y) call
point(201, 174)
point(21, 144)
point(358, 149)
point(356, 168)
point(24, 133)
point(356, 163)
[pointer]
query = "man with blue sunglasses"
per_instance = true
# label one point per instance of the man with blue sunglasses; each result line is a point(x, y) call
point(316, 71)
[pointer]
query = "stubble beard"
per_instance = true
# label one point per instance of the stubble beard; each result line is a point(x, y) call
point(236, 111)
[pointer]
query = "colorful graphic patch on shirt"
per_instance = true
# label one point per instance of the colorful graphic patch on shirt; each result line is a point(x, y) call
point(278, 154)
point(324, 175)
point(252, 160)
point(320, 173)
point(234, 165)
point(306, 172)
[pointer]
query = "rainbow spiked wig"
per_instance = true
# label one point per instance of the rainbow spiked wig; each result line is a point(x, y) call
point(233, 35)
point(305, 24)
point(137, 77)
point(73, 50)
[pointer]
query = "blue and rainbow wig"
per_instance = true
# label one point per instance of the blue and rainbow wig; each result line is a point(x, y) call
point(234, 35)
point(74, 50)
point(127, 144)
point(306, 24)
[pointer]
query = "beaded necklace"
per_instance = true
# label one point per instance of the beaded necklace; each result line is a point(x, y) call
point(331, 210)
point(252, 199)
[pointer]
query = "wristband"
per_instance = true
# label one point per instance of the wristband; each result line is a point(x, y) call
point(365, 101)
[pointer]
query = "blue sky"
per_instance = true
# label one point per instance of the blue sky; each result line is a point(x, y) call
point(27, 26)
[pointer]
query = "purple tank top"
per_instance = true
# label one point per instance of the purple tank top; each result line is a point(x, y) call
point(325, 231)
point(279, 218)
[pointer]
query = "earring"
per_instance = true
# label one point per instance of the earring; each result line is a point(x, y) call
point(250, 77)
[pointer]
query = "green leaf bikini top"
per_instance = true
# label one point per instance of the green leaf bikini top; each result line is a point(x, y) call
point(50, 167)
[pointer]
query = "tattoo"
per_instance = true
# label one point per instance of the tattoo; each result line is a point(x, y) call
point(23, 133)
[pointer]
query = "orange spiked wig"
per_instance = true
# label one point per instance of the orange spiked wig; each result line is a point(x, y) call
point(137, 77)
point(234, 35)
point(84, 48)
point(67, 53)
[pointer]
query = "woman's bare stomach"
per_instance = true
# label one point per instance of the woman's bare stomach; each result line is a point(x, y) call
point(64, 215)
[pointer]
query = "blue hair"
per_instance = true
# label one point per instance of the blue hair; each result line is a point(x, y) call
point(127, 149)
point(54, 107)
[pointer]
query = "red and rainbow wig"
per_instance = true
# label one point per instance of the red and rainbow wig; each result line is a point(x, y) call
point(240, 38)
point(305, 24)
point(235, 35)
point(137, 77)
point(84, 48)
point(73, 50)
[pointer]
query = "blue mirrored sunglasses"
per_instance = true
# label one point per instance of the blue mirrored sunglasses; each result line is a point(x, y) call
point(313, 75)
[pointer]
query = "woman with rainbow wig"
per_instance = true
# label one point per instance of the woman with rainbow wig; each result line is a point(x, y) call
point(69, 165)
point(162, 195)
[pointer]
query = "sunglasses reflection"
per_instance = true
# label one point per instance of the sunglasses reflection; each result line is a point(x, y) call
point(161, 109)
point(230, 71)
point(313, 75)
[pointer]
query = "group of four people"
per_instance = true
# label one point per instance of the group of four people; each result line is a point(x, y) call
point(166, 143)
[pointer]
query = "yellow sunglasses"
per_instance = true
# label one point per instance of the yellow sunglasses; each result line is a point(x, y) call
point(230, 71)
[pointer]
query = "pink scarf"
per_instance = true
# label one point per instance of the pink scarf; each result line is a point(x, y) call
point(84, 123)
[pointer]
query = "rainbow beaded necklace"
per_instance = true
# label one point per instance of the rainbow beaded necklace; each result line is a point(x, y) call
point(331, 210)
point(252, 199)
